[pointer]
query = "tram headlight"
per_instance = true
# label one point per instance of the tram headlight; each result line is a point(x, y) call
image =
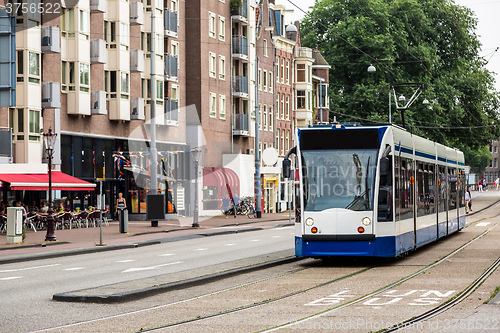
point(309, 221)
point(314, 230)
point(361, 230)
point(366, 221)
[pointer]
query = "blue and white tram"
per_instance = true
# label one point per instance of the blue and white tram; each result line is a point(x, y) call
point(373, 191)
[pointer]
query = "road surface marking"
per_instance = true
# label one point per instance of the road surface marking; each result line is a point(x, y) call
point(27, 268)
point(230, 244)
point(276, 237)
point(137, 269)
point(10, 278)
point(255, 240)
point(202, 249)
point(166, 254)
point(482, 224)
point(126, 260)
point(73, 269)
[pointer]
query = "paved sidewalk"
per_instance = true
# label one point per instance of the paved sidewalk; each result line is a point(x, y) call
point(140, 233)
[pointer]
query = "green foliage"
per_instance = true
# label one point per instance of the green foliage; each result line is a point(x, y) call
point(235, 4)
point(427, 41)
point(477, 159)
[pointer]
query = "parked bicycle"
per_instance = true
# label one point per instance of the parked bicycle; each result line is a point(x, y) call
point(242, 207)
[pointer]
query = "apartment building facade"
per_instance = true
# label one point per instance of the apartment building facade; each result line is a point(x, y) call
point(218, 70)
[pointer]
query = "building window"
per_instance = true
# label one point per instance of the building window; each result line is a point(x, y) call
point(260, 79)
point(20, 120)
point(264, 118)
point(278, 69)
point(271, 118)
point(212, 64)
point(124, 37)
point(211, 24)
point(283, 106)
point(260, 116)
point(124, 78)
point(301, 99)
point(34, 67)
point(496, 163)
point(110, 36)
point(222, 28)
point(283, 151)
point(264, 79)
point(213, 105)
point(20, 66)
point(265, 48)
point(222, 106)
point(84, 25)
point(301, 72)
point(287, 140)
point(270, 80)
point(222, 67)
point(159, 90)
point(287, 71)
point(34, 124)
point(84, 77)
point(496, 149)
point(287, 108)
point(283, 70)
point(174, 49)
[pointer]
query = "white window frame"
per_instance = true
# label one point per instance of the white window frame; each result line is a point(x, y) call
point(260, 116)
point(271, 117)
point(212, 65)
point(222, 67)
point(264, 118)
point(222, 107)
point(212, 24)
point(265, 48)
point(212, 105)
point(270, 81)
point(260, 79)
point(222, 28)
point(264, 80)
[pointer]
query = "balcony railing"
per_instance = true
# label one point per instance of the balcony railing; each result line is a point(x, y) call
point(240, 45)
point(240, 84)
point(171, 111)
point(171, 65)
point(170, 20)
point(242, 10)
point(240, 123)
point(305, 52)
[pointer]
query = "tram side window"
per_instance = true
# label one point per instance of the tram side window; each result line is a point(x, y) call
point(397, 190)
point(442, 193)
point(462, 188)
point(405, 190)
point(452, 185)
point(385, 202)
point(425, 190)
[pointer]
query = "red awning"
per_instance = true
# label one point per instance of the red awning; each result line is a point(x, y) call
point(222, 177)
point(40, 182)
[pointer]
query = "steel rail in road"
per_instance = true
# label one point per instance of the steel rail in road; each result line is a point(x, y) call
point(446, 306)
point(465, 293)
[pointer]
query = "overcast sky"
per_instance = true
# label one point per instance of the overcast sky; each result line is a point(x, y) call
point(485, 10)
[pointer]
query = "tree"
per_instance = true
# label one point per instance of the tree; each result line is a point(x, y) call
point(427, 41)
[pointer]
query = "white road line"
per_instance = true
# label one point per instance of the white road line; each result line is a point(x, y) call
point(230, 244)
point(73, 269)
point(126, 260)
point(255, 240)
point(10, 278)
point(203, 249)
point(482, 224)
point(27, 268)
point(166, 254)
point(136, 269)
point(276, 237)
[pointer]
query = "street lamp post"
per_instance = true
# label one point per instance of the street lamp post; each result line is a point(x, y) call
point(196, 157)
point(50, 139)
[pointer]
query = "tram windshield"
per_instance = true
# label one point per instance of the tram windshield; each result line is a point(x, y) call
point(339, 179)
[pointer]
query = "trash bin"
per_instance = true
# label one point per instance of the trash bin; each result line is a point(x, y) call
point(123, 220)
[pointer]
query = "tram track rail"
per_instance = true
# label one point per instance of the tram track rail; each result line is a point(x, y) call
point(427, 315)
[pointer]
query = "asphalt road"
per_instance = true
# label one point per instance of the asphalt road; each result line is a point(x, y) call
point(27, 287)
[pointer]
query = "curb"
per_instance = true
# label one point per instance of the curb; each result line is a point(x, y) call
point(145, 292)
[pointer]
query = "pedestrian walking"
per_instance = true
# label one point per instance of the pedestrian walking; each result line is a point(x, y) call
point(497, 183)
point(468, 202)
point(480, 185)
